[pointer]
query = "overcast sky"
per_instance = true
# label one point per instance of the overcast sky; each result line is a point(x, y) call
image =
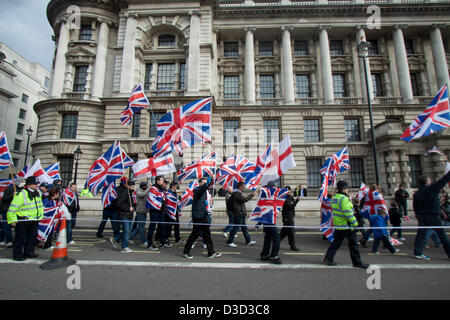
point(24, 28)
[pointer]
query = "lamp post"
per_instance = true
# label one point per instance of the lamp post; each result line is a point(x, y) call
point(78, 154)
point(29, 133)
point(363, 53)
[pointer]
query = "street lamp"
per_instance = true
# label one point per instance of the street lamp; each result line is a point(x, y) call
point(363, 53)
point(78, 154)
point(29, 133)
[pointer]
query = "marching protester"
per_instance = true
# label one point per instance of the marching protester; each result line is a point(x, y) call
point(395, 218)
point(427, 209)
point(73, 208)
point(125, 211)
point(175, 224)
point(50, 202)
point(369, 232)
point(380, 232)
point(358, 216)
point(141, 213)
point(229, 210)
point(24, 212)
point(5, 202)
point(288, 213)
point(401, 196)
point(343, 221)
point(109, 212)
point(43, 189)
point(240, 215)
point(200, 220)
point(157, 218)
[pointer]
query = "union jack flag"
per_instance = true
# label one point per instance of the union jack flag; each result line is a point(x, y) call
point(363, 191)
point(254, 179)
point(184, 126)
point(52, 213)
point(53, 171)
point(395, 242)
point(109, 194)
point(433, 150)
point(188, 196)
point(37, 171)
point(435, 117)
point(4, 183)
point(155, 199)
point(337, 163)
point(326, 219)
point(136, 102)
point(269, 205)
point(68, 196)
point(233, 170)
point(105, 169)
point(202, 168)
point(154, 167)
point(374, 202)
point(171, 204)
point(126, 160)
point(22, 172)
point(209, 202)
point(5, 156)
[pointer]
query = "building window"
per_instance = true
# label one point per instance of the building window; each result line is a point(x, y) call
point(377, 86)
point(79, 82)
point(339, 86)
point(17, 144)
point(312, 130)
point(22, 113)
point(352, 130)
point(154, 119)
point(231, 49)
point(231, 87)
point(301, 47)
point(20, 127)
point(414, 84)
point(65, 169)
point(136, 126)
point(148, 76)
point(373, 49)
point(356, 172)
point(271, 130)
point(166, 76)
point(416, 170)
point(15, 162)
point(230, 131)
point(183, 76)
point(85, 32)
point(24, 98)
point(267, 86)
point(313, 176)
point(266, 48)
point(409, 46)
point(302, 81)
point(69, 126)
point(166, 40)
point(336, 48)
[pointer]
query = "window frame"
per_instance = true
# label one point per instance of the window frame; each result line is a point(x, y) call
point(268, 131)
point(69, 131)
point(359, 129)
point(80, 78)
point(313, 177)
point(236, 134)
point(318, 131)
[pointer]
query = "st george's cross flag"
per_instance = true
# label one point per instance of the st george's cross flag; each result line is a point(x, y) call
point(37, 171)
point(435, 117)
point(5, 156)
point(154, 167)
point(269, 205)
point(183, 127)
point(155, 199)
point(136, 102)
point(202, 168)
point(53, 171)
point(234, 170)
point(326, 219)
point(188, 196)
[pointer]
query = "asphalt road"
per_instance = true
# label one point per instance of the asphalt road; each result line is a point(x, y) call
point(106, 273)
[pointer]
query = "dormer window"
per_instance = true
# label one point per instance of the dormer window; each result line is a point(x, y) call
point(166, 40)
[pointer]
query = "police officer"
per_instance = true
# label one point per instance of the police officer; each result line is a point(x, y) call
point(24, 213)
point(344, 221)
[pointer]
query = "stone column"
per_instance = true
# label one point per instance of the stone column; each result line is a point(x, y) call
point(439, 57)
point(60, 62)
point(194, 54)
point(249, 72)
point(126, 76)
point(325, 60)
point(404, 78)
point(100, 61)
point(361, 36)
point(288, 71)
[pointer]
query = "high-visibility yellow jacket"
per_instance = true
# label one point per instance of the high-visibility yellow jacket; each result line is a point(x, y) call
point(25, 208)
point(343, 216)
point(86, 193)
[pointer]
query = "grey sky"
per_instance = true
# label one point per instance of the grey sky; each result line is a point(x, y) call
point(24, 28)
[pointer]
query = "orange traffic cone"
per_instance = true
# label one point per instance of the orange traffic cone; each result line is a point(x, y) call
point(59, 257)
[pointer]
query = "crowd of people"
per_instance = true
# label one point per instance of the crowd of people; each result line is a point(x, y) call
point(23, 203)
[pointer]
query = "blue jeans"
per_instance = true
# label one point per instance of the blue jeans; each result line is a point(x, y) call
point(156, 217)
point(429, 221)
point(111, 215)
point(126, 229)
point(230, 221)
point(141, 219)
point(6, 231)
point(239, 221)
point(430, 233)
point(69, 230)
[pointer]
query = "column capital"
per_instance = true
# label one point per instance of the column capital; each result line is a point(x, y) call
point(400, 26)
point(194, 13)
point(287, 28)
point(131, 15)
point(439, 25)
point(324, 27)
point(251, 29)
point(103, 20)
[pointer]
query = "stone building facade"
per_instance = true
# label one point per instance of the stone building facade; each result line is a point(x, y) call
point(273, 67)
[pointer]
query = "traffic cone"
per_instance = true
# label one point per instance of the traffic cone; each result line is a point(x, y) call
point(59, 257)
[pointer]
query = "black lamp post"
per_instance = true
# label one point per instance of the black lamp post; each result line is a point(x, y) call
point(363, 53)
point(29, 133)
point(78, 154)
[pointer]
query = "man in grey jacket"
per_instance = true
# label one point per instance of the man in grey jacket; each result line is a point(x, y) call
point(141, 213)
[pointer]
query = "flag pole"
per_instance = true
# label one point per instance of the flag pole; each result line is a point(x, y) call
point(12, 179)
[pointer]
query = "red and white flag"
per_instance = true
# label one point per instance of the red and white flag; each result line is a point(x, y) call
point(363, 191)
point(154, 167)
point(37, 171)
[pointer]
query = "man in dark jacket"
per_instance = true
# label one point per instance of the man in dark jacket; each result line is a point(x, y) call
point(74, 208)
point(200, 220)
point(288, 213)
point(426, 206)
point(240, 215)
point(125, 212)
point(8, 196)
point(401, 196)
point(157, 218)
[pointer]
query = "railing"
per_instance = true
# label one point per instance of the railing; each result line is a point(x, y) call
point(268, 101)
point(348, 100)
point(387, 100)
point(166, 93)
point(309, 101)
point(76, 95)
point(231, 102)
point(424, 99)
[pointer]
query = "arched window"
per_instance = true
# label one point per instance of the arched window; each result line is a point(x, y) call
point(166, 40)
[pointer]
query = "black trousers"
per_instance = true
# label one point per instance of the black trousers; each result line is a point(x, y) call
point(271, 240)
point(339, 236)
point(175, 226)
point(430, 221)
point(25, 238)
point(204, 227)
point(289, 232)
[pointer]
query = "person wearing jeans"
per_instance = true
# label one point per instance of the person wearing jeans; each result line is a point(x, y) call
point(125, 209)
point(141, 213)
